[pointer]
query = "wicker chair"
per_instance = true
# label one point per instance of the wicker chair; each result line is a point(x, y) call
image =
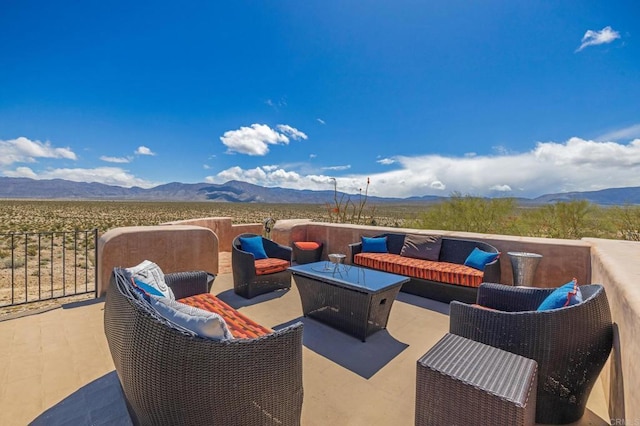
point(570, 345)
point(169, 377)
point(246, 282)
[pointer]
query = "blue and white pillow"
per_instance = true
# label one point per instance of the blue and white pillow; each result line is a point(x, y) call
point(202, 323)
point(149, 277)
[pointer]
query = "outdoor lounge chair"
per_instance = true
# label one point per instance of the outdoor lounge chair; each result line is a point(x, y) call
point(252, 276)
point(170, 377)
point(570, 344)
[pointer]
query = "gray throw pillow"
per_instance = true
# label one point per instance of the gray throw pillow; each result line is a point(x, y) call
point(425, 247)
point(203, 323)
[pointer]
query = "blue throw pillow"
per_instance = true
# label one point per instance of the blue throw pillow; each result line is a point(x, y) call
point(374, 245)
point(254, 246)
point(148, 289)
point(566, 295)
point(478, 259)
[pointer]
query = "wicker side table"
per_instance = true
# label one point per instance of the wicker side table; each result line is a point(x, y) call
point(460, 381)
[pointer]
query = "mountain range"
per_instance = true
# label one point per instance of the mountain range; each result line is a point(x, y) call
point(243, 192)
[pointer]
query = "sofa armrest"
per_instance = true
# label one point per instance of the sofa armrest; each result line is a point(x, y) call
point(492, 273)
point(185, 284)
point(355, 248)
point(276, 250)
point(511, 299)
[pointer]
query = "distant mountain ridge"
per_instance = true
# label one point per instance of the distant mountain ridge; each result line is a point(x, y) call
point(243, 192)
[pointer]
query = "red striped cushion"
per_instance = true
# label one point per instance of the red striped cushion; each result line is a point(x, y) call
point(271, 265)
point(240, 326)
point(450, 273)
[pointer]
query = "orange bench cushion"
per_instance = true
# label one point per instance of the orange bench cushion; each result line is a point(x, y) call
point(444, 272)
point(307, 245)
point(271, 265)
point(240, 326)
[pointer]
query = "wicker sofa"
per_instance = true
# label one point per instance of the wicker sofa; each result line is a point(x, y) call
point(169, 376)
point(570, 344)
point(452, 256)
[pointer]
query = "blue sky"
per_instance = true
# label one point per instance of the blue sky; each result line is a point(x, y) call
point(495, 98)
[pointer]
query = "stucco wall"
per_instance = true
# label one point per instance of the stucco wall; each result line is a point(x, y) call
point(174, 248)
point(562, 259)
point(223, 228)
point(616, 264)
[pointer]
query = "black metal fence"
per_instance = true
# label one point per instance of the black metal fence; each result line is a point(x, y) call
point(37, 266)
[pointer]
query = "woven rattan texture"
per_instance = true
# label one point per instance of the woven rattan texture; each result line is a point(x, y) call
point(570, 345)
point(459, 381)
point(246, 282)
point(303, 256)
point(358, 313)
point(171, 378)
point(453, 250)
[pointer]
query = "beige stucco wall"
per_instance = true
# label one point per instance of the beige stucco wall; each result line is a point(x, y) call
point(223, 228)
point(562, 259)
point(616, 264)
point(174, 248)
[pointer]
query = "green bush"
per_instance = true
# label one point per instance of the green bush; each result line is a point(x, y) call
point(470, 214)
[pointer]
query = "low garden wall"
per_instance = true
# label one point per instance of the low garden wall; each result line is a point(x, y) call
point(175, 248)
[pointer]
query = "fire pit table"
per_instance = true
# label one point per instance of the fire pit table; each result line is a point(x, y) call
point(349, 298)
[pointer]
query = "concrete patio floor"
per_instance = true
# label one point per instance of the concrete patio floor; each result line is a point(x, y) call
point(55, 367)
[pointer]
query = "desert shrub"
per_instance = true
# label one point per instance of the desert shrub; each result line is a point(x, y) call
point(7, 263)
point(470, 214)
point(343, 209)
point(627, 222)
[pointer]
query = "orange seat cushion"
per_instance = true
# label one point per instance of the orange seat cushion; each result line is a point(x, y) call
point(444, 272)
point(271, 265)
point(240, 326)
point(307, 245)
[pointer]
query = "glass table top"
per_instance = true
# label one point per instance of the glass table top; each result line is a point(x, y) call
point(349, 275)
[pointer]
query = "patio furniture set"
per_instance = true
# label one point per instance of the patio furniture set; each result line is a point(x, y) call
point(503, 360)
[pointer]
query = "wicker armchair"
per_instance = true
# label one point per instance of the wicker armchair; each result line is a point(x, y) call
point(570, 345)
point(169, 377)
point(246, 282)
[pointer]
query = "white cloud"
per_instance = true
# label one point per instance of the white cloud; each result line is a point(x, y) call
point(107, 175)
point(594, 38)
point(23, 150)
point(345, 167)
point(255, 140)
point(320, 120)
point(115, 159)
point(628, 133)
point(24, 172)
point(386, 161)
point(436, 184)
point(294, 133)
point(500, 188)
point(549, 167)
point(206, 166)
point(143, 150)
